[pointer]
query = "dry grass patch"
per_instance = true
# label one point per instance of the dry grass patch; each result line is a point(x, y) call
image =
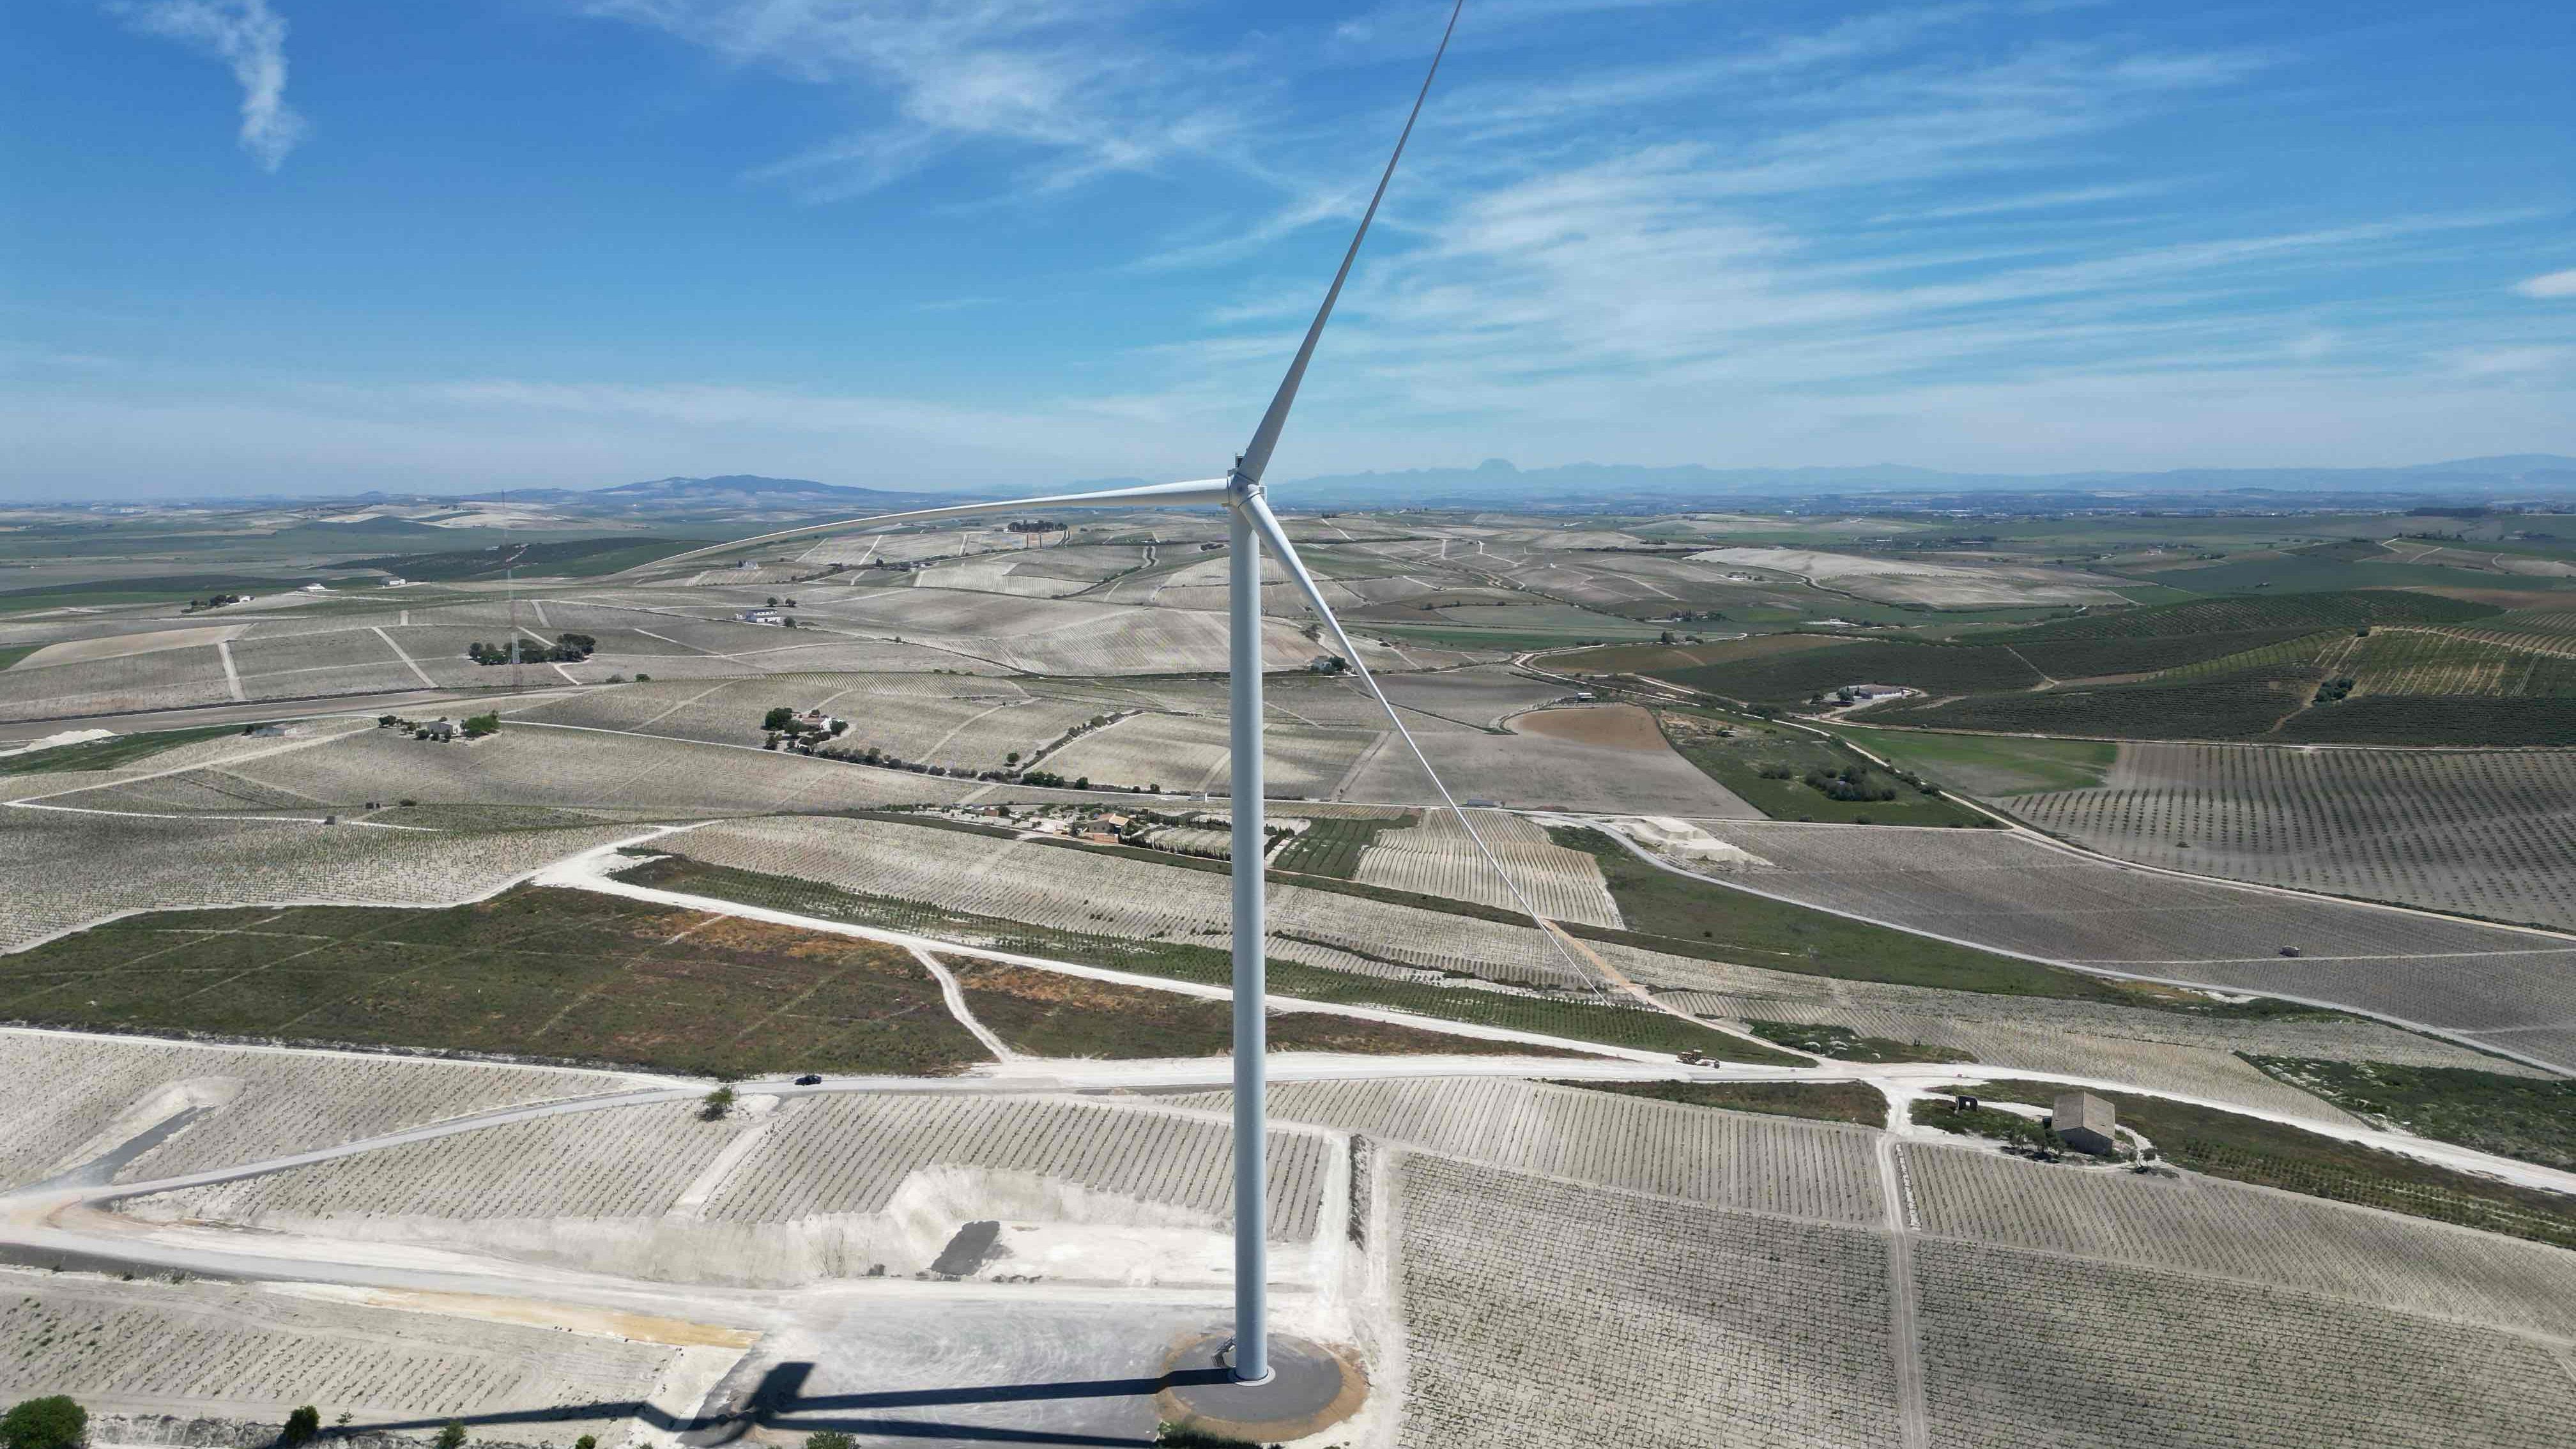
point(535, 972)
point(1047, 1014)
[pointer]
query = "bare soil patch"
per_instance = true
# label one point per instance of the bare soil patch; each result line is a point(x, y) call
point(1611, 726)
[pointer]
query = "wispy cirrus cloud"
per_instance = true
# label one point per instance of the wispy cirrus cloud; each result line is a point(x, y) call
point(1086, 89)
point(250, 38)
point(2548, 285)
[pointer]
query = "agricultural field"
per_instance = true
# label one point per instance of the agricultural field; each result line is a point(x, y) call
point(1854, 1102)
point(2476, 833)
point(1188, 753)
point(2503, 989)
point(531, 972)
point(1738, 926)
point(2205, 1225)
point(1669, 1254)
point(1924, 584)
point(2507, 1116)
point(1993, 766)
point(1627, 774)
point(626, 1162)
point(1050, 1014)
point(100, 1092)
point(853, 1153)
point(1775, 1165)
point(1793, 774)
point(1095, 893)
point(2192, 1045)
point(636, 778)
point(72, 868)
point(1697, 1325)
point(2286, 1157)
point(2169, 1359)
point(214, 1349)
point(164, 679)
point(1335, 845)
point(1301, 967)
point(1436, 857)
point(2446, 662)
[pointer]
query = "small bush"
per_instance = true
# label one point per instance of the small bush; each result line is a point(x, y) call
point(301, 1426)
point(719, 1103)
point(453, 1436)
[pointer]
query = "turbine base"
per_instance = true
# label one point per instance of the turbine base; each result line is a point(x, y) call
point(1311, 1388)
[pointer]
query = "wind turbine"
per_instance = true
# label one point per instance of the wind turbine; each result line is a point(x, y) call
point(1250, 526)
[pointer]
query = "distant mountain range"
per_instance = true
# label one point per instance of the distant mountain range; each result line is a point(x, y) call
point(1592, 484)
point(1497, 482)
point(2533, 477)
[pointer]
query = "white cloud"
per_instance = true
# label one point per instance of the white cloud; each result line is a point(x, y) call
point(2549, 284)
point(249, 37)
point(1084, 85)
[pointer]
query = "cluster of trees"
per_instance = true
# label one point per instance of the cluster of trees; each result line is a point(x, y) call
point(1851, 782)
point(2334, 689)
point(567, 649)
point(781, 723)
point(52, 1422)
point(216, 601)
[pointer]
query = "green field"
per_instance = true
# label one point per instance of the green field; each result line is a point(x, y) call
point(12, 653)
point(2294, 573)
point(2270, 1154)
point(1992, 766)
point(1332, 846)
point(1793, 676)
point(2240, 705)
point(1770, 766)
point(2423, 720)
point(2300, 612)
point(1817, 1101)
point(112, 753)
point(556, 974)
point(159, 589)
point(2533, 1118)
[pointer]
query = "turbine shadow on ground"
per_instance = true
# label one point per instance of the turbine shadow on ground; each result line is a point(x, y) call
point(779, 1402)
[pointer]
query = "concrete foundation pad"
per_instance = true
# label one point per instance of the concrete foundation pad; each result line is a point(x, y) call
point(1310, 1389)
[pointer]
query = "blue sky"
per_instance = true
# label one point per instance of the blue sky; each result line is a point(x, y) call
point(283, 245)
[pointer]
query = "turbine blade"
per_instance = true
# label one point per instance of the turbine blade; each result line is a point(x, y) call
point(1150, 495)
point(1256, 457)
point(1266, 524)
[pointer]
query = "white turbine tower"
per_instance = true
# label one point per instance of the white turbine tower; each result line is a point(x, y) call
point(1251, 526)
